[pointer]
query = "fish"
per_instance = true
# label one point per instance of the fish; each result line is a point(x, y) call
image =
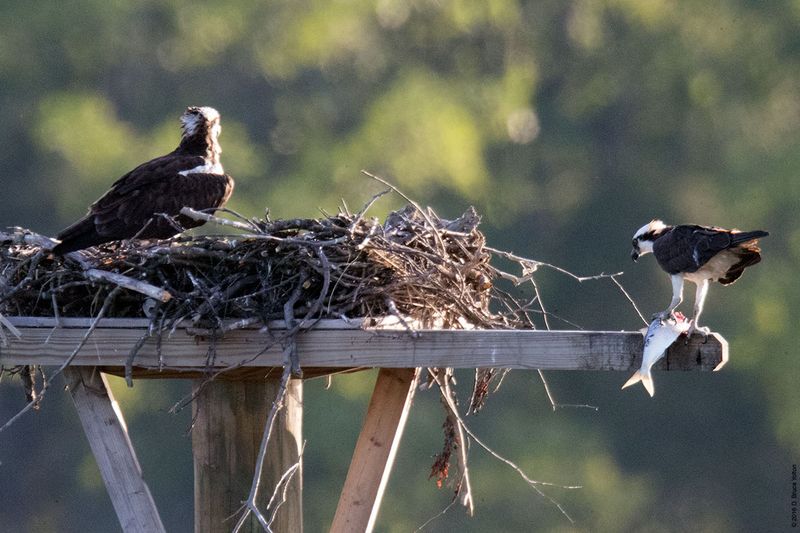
point(660, 335)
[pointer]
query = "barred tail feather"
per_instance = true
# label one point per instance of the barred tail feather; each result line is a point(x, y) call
point(746, 236)
point(81, 234)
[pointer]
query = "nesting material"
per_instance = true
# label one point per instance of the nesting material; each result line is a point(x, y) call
point(429, 271)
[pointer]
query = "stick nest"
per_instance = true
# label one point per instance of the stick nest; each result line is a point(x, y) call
point(426, 270)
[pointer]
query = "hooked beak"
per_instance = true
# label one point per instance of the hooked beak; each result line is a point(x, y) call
point(635, 255)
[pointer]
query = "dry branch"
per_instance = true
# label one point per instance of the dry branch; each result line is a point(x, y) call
point(250, 505)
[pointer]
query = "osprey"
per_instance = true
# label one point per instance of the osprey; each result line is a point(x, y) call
point(189, 176)
point(700, 254)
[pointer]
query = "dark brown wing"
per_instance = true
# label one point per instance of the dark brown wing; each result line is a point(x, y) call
point(140, 177)
point(131, 207)
point(124, 217)
point(687, 248)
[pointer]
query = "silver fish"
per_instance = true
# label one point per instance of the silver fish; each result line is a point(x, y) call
point(659, 336)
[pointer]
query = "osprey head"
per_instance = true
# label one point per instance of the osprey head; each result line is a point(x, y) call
point(199, 119)
point(645, 236)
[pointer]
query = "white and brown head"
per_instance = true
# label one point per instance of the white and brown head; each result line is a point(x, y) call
point(198, 119)
point(645, 236)
point(201, 129)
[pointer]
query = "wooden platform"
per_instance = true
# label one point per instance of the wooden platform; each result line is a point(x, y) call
point(333, 345)
point(230, 416)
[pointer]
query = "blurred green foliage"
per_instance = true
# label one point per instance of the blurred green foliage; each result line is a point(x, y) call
point(568, 124)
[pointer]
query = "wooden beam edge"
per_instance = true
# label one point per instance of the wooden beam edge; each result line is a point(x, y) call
point(336, 345)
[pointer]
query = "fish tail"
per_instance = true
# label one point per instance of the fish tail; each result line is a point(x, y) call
point(647, 381)
point(645, 378)
point(635, 378)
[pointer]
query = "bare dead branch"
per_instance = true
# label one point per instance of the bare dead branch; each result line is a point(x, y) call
point(464, 485)
point(205, 217)
point(531, 482)
point(250, 505)
point(628, 296)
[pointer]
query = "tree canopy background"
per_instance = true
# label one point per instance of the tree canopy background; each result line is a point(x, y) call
point(568, 124)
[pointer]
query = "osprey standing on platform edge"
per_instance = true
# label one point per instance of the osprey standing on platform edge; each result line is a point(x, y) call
point(189, 176)
point(700, 254)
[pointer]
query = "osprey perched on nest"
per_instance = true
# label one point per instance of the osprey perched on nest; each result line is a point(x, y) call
point(700, 254)
point(189, 176)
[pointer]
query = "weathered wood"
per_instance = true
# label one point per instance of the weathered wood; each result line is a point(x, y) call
point(248, 373)
point(229, 424)
point(129, 283)
point(349, 348)
point(373, 457)
point(284, 450)
point(108, 437)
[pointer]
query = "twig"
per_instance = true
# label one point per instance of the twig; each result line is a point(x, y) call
point(132, 356)
point(33, 262)
point(323, 292)
point(247, 221)
point(205, 217)
point(293, 240)
point(366, 207)
point(550, 397)
point(66, 363)
point(541, 303)
point(436, 516)
point(288, 316)
point(392, 309)
point(519, 259)
point(465, 489)
point(628, 296)
point(532, 483)
point(250, 505)
point(284, 482)
point(129, 283)
point(422, 212)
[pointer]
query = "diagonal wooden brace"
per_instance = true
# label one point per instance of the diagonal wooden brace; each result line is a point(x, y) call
point(375, 450)
point(108, 437)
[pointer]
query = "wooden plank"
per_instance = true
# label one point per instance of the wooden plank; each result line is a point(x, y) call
point(373, 457)
point(349, 348)
point(248, 373)
point(74, 322)
point(229, 424)
point(108, 437)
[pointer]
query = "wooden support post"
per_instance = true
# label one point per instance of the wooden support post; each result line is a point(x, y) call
point(229, 424)
point(108, 437)
point(375, 451)
point(285, 447)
